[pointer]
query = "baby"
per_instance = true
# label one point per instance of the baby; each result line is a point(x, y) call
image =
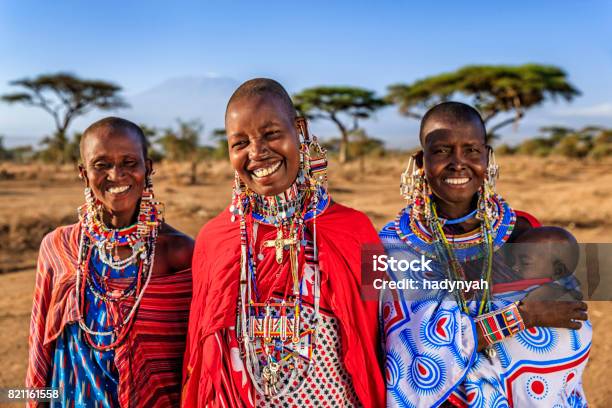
point(548, 253)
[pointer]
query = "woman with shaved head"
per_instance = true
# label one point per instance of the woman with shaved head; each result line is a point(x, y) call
point(488, 346)
point(276, 318)
point(112, 293)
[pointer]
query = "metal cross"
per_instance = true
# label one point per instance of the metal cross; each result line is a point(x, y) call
point(279, 244)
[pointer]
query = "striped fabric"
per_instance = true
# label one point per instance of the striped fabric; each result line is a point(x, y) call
point(149, 361)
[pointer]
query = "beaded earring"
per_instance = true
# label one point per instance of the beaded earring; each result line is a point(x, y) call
point(89, 197)
point(486, 204)
point(415, 190)
point(313, 157)
point(237, 189)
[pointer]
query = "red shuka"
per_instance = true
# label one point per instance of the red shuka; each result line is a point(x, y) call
point(149, 360)
point(340, 233)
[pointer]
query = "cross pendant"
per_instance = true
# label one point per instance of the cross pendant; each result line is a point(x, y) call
point(279, 244)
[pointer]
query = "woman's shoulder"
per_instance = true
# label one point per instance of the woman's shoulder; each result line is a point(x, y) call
point(60, 236)
point(528, 220)
point(341, 211)
point(524, 221)
point(179, 247)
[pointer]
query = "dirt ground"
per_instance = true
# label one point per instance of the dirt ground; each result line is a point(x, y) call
point(33, 199)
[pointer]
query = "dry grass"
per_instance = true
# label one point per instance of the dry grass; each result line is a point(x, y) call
point(34, 199)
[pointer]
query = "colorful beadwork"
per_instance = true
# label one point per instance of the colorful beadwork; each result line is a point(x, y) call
point(418, 236)
point(499, 324)
point(276, 322)
point(140, 237)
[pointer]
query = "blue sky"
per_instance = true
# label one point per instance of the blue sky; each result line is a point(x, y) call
point(140, 44)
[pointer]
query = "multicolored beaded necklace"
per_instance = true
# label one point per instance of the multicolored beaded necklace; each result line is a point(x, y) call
point(418, 234)
point(275, 322)
point(427, 237)
point(140, 237)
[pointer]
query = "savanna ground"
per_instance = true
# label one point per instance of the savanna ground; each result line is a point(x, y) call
point(35, 198)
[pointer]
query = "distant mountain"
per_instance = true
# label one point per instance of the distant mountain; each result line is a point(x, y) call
point(187, 98)
point(192, 97)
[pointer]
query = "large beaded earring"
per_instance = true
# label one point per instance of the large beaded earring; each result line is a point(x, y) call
point(89, 197)
point(313, 157)
point(486, 204)
point(237, 194)
point(415, 190)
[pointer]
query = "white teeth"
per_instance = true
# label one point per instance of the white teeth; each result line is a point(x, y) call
point(267, 171)
point(457, 181)
point(117, 190)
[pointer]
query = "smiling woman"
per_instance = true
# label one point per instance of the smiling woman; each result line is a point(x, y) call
point(265, 329)
point(263, 145)
point(112, 292)
point(462, 349)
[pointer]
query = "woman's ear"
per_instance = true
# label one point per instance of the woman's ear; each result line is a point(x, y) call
point(83, 174)
point(149, 167)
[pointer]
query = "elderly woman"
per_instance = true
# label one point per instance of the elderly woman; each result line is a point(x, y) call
point(276, 318)
point(112, 291)
point(476, 347)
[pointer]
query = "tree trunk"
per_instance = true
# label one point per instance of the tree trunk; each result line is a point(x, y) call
point(193, 179)
point(344, 138)
point(344, 148)
point(362, 165)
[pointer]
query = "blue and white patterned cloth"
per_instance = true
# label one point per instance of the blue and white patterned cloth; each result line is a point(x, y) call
point(431, 351)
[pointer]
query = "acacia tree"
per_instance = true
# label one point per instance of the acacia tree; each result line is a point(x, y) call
point(65, 96)
point(492, 89)
point(220, 137)
point(183, 144)
point(336, 102)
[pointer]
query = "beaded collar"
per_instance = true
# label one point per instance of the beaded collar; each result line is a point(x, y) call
point(298, 200)
point(313, 211)
point(414, 232)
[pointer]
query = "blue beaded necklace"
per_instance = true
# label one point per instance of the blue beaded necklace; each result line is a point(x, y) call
point(453, 221)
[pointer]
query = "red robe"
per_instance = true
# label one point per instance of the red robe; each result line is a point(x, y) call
point(340, 231)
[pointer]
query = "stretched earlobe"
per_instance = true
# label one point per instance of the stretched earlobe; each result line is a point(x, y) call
point(83, 175)
point(302, 127)
point(418, 158)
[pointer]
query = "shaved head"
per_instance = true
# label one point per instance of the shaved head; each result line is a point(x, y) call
point(114, 124)
point(451, 112)
point(263, 87)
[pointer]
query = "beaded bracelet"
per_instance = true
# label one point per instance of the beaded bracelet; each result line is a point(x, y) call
point(499, 324)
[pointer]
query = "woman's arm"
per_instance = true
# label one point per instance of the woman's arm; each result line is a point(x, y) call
point(39, 357)
point(546, 313)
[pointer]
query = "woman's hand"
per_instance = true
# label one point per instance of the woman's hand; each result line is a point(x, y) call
point(550, 313)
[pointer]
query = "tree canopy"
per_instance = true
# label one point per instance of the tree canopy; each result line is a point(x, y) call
point(65, 96)
point(335, 103)
point(492, 89)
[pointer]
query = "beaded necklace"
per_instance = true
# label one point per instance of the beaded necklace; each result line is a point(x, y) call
point(141, 238)
point(427, 237)
point(418, 234)
point(274, 322)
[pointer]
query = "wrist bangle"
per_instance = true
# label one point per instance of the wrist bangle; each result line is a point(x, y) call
point(499, 324)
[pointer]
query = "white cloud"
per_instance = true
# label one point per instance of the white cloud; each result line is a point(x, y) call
point(593, 111)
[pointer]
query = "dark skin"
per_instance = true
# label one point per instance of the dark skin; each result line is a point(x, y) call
point(115, 168)
point(455, 158)
point(263, 143)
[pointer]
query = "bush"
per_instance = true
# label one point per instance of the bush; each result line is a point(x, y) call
point(572, 146)
point(535, 147)
point(600, 151)
point(504, 150)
